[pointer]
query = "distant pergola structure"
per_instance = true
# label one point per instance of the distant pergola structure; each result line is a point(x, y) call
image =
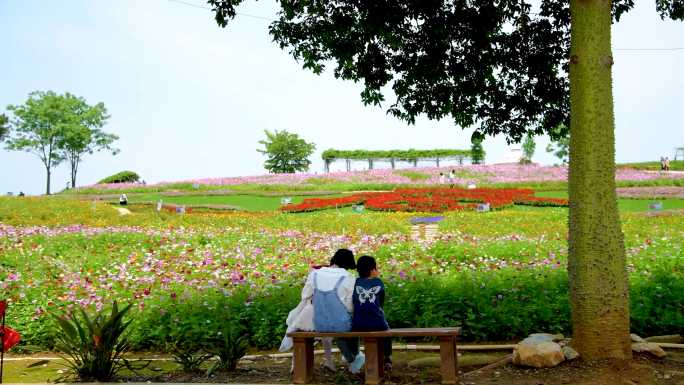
point(393, 156)
point(679, 151)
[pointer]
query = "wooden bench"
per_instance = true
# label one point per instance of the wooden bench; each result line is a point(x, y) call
point(372, 341)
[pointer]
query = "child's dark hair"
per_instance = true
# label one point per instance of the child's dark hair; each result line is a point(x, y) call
point(343, 258)
point(365, 265)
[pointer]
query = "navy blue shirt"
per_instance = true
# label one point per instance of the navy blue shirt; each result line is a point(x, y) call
point(368, 298)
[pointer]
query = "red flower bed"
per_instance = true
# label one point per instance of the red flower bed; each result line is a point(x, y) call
point(430, 200)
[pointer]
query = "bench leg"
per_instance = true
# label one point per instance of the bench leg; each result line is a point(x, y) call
point(449, 363)
point(374, 360)
point(303, 360)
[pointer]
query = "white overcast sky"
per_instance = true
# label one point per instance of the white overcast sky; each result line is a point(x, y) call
point(191, 100)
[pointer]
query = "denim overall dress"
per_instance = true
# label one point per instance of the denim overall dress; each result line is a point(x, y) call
point(330, 314)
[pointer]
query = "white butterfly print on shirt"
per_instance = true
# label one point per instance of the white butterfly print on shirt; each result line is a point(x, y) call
point(367, 295)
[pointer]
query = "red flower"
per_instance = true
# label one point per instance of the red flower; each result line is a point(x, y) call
point(430, 200)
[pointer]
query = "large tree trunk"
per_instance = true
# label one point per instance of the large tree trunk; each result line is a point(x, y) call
point(74, 170)
point(47, 189)
point(596, 264)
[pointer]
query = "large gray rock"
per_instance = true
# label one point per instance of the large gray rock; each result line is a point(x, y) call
point(539, 351)
point(545, 337)
point(649, 348)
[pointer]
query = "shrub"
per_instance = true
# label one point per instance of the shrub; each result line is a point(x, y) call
point(189, 354)
point(93, 347)
point(229, 347)
point(495, 305)
point(121, 177)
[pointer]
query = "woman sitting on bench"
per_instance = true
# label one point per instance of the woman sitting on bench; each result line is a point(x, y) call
point(332, 290)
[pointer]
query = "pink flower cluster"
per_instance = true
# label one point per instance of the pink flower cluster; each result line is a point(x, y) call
point(496, 173)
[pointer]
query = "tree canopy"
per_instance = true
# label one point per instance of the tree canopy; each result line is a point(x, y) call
point(286, 152)
point(498, 65)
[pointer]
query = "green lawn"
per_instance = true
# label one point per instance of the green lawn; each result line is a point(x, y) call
point(244, 202)
point(675, 165)
point(271, 203)
point(626, 205)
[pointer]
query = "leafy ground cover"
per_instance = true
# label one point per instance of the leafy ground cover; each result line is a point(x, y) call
point(188, 274)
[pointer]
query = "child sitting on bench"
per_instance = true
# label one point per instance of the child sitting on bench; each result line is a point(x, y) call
point(369, 297)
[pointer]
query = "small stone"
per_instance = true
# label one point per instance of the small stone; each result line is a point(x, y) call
point(569, 353)
point(636, 338)
point(672, 339)
point(650, 348)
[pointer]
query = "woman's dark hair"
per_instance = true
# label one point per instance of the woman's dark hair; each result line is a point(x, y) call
point(365, 265)
point(343, 258)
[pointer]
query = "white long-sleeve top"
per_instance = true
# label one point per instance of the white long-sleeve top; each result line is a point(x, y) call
point(326, 278)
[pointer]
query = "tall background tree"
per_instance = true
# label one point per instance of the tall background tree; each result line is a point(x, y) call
point(4, 126)
point(560, 147)
point(83, 134)
point(528, 148)
point(477, 152)
point(503, 68)
point(37, 126)
point(58, 127)
point(286, 152)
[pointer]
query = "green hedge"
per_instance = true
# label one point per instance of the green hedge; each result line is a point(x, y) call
point(404, 155)
point(121, 177)
point(490, 306)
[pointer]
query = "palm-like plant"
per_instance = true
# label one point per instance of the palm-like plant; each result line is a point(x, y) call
point(93, 346)
point(230, 346)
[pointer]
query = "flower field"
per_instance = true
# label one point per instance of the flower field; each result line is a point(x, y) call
point(480, 174)
point(430, 200)
point(188, 274)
